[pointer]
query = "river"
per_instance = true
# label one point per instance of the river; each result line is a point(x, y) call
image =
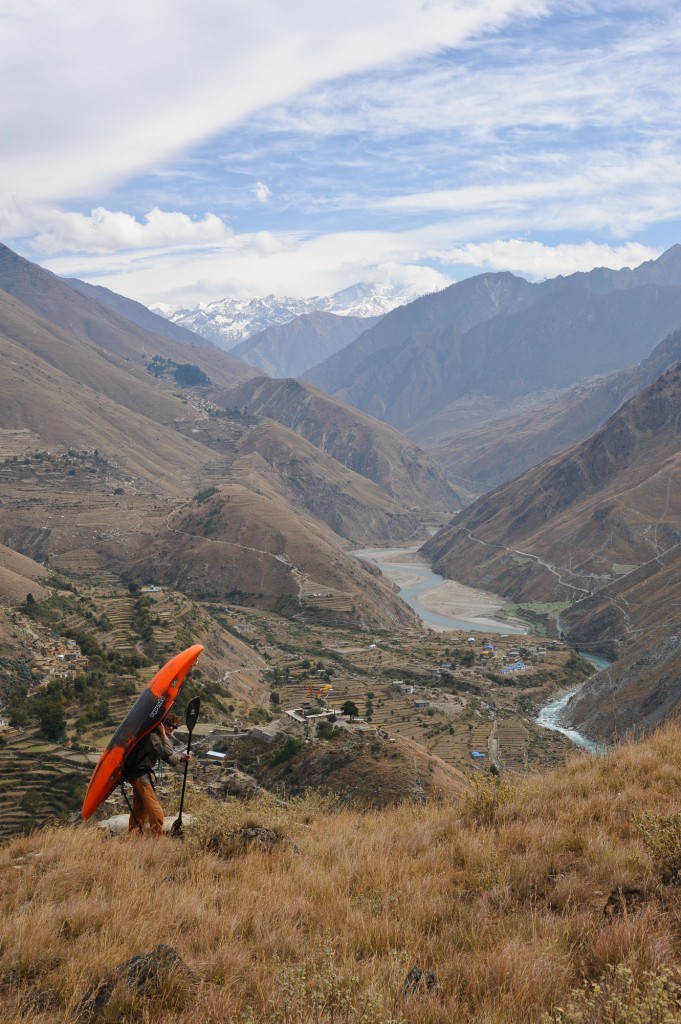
point(420, 587)
point(440, 604)
point(549, 716)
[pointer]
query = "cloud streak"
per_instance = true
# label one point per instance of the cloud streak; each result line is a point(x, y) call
point(207, 149)
point(112, 89)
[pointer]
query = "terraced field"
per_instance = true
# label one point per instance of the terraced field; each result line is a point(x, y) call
point(493, 719)
point(449, 730)
point(119, 612)
point(39, 781)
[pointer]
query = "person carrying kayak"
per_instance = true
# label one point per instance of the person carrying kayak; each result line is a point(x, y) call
point(139, 771)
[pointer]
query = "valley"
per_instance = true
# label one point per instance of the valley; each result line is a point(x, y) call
point(157, 493)
point(437, 691)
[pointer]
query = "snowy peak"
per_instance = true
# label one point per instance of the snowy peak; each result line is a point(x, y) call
point(227, 322)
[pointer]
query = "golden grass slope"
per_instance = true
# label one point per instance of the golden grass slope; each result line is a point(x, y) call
point(513, 896)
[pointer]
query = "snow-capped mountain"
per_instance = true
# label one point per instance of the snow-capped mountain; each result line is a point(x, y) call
point(227, 322)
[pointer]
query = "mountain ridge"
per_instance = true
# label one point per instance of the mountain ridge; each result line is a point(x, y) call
point(594, 528)
point(228, 322)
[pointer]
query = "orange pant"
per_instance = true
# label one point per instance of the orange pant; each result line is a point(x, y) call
point(145, 808)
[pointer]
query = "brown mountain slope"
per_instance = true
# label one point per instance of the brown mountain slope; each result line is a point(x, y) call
point(20, 576)
point(458, 307)
point(136, 312)
point(87, 320)
point(637, 620)
point(71, 395)
point(501, 447)
point(599, 525)
point(89, 483)
point(484, 446)
point(352, 506)
point(103, 373)
point(288, 350)
point(250, 546)
point(613, 500)
point(360, 443)
point(500, 340)
point(563, 339)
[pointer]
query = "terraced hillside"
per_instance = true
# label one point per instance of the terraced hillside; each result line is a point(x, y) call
point(440, 692)
point(39, 781)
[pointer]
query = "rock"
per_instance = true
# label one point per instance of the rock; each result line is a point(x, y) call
point(160, 974)
point(148, 973)
point(623, 900)
point(419, 982)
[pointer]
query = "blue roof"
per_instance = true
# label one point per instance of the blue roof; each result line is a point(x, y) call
point(476, 753)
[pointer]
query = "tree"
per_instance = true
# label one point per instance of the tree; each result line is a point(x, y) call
point(350, 709)
point(51, 718)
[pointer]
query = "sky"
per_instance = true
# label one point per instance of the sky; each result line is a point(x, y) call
point(180, 152)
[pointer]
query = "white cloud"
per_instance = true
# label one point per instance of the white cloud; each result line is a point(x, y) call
point(107, 231)
point(104, 91)
point(600, 192)
point(616, 75)
point(399, 138)
point(288, 264)
point(538, 261)
point(261, 192)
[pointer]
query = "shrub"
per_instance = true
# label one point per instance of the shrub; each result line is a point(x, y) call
point(205, 494)
point(317, 989)
point(287, 751)
point(484, 797)
point(619, 999)
point(326, 731)
point(662, 836)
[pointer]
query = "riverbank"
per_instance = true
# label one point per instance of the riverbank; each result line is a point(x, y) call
point(441, 604)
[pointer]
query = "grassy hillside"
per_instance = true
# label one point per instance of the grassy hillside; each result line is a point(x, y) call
point(513, 897)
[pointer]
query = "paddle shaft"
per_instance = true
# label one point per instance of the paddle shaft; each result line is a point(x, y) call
point(178, 821)
point(191, 719)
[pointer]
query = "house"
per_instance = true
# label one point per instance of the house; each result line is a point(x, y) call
point(517, 666)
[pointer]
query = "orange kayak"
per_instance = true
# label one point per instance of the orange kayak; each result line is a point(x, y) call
point(150, 708)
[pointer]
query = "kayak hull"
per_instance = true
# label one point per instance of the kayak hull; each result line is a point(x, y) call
point(150, 708)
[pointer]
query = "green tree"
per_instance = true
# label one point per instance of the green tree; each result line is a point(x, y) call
point(51, 718)
point(350, 709)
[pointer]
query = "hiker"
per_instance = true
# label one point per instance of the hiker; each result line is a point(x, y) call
point(139, 770)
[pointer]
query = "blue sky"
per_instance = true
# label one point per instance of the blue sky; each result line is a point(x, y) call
point(180, 152)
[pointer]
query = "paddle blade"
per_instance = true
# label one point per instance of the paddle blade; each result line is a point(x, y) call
point(193, 709)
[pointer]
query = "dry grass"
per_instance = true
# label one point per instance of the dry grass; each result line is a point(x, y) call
point(501, 895)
